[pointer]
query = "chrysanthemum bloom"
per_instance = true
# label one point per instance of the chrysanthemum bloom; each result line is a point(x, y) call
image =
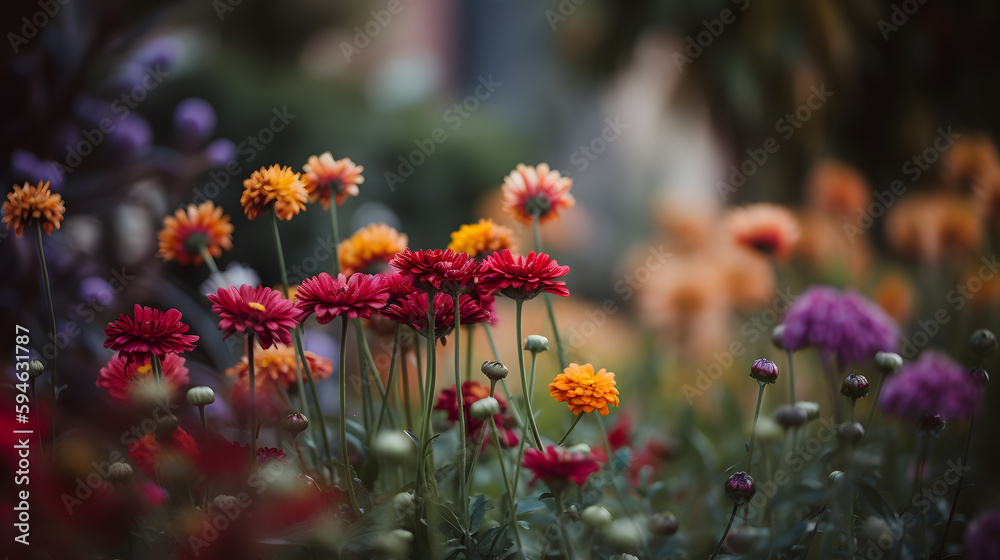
point(148, 451)
point(536, 191)
point(28, 205)
point(556, 466)
point(982, 539)
point(120, 379)
point(482, 239)
point(258, 310)
point(412, 311)
point(583, 390)
point(767, 228)
point(933, 227)
point(353, 297)
point(471, 393)
point(188, 230)
point(277, 185)
point(523, 277)
point(267, 454)
point(845, 324)
point(148, 331)
point(838, 189)
point(934, 384)
point(323, 175)
point(377, 243)
point(277, 363)
point(439, 270)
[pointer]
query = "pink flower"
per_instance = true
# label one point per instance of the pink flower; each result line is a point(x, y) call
point(412, 311)
point(259, 310)
point(354, 297)
point(523, 277)
point(557, 466)
point(439, 270)
point(149, 332)
point(120, 378)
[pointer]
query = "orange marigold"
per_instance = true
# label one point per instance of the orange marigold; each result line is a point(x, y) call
point(189, 230)
point(369, 245)
point(767, 228)
point(323, 175)
point(29, 205)
point(583, 390)
point(482, 239)
point(277, 364)
point(536, 191)
point(276, 185)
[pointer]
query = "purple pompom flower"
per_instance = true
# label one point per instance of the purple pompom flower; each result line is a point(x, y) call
point(933, 385)
point(194, 120)
point(982, 539)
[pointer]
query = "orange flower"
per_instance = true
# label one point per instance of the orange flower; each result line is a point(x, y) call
point(971, 160)
point(277, 364)
point(767, 228)
point(583, 390)
point(369, 245)
point(536, 191)
point(187, 231)
point(929, 227)
point(838, 189)
point(895, 294)
point(482, 239)
point(29, 204)
point(274, 184)
point(322, 175)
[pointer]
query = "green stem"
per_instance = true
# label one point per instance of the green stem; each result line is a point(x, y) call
point(210, 260)
point(345, 455)
point(468, 351)
point(791, 377)
point(52, 325)
point(506, 484)
point(958, 488)
point(463, 498)
point(253, 401)
point(389, 381)
point(426, 428)
point(336, 235)
point(496, 356)
point(404, 374)
point(367, 406)
point(366, 351)
point(871, 412)
point(753, 434)
point(546, 297)
point(570, 430)
point(525, 388)
point(204, 422)
point(725, 533)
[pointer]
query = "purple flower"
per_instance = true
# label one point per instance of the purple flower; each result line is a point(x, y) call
point(194, 119)
point(132, 136)
point(982, 539)
point(220, 152)
point(845, 324)
point(932, 385)
point(32, 169)
point(95, 289)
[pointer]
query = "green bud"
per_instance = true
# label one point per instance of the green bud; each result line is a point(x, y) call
point(536, 343)
point(485, 408)
point(596, 517)
point(888, 362)
point(200, 396)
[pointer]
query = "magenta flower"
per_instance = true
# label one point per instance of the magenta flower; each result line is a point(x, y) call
point(557, 466)
point(259, 310)
point(523, 277)
point(933, 385)
point(148, 332)
point(439, 270)
point(354, 297)
point(412, 310)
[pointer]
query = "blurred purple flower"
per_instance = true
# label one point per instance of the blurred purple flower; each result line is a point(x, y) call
point(29, 167)
point(982, 539)
point(932, 385)
point(91, 110)
point(132, 136)
point(156, 55)
point(96, 289)
point(194, 120)
point(846, 324)
point(220, 152)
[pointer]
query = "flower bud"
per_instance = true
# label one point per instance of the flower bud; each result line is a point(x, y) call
point(404, 504)
point(888, 362)
point(579, 449)
point(536, 343)
point(930, 423)
point(662, 524)
point(394, 446)
point(624, 536)
point(854, 386)
point(851, 433)
point(485, 408)
point(200, 396)
point(119, 474)
point(36, 368)
point(788, 416)
point(294, 423)
point(596, 517)
point(980, 376)
point(743, 540)
point(811, 408)
point(836, 476)
point(769, 430)
point(764, 371)
point(494, 370)
point(740, 488)
point(983, 342)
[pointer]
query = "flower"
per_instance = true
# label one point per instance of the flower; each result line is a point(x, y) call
point(259, 310)
point(277, 364)
point(439, 270)
point(148, 331)
point(523, 277)
point(120, 377)
point(482, 239)
point(764, 371)
point(982, 538)
point(29, 204)
point(323, 175)
point(845, 324)
point(838, 189)
point(188, 231)
point(377, 243)
point(556, 465)
point(932, 385)
point(740, 488)
point(147, 453)
point(583, 390)
point(766, 228)
point(536, 191)
point(267, 454)
point(473, 392)
point(933, 227)
point(412, 310)
point(354, 297)
point(276, 185)
point(235, 274)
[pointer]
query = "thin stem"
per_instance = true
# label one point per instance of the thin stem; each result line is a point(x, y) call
point(367, 407)
point(725, 533)
point(791, 377)
point(462, 433)
point(878, 391)
point(336, 236)
point(525, 388)
point(958, 488)
point(475, 458)
point(426, 428)
point(404, 374)
point(204, 422)
point(576, 421)
point(468, 351)
point(209, 260)
point(506, 483)
point(496, 356)
point(345, 455)
point(366, 351)
point(253, 400)
point(281, 252)
point(52, 325)
point(756, 414)
point(854, 405)
point(392, 371)
point(547, 298)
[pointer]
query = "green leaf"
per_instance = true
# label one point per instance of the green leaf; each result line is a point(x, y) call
point(477, 512)
point(620, 460)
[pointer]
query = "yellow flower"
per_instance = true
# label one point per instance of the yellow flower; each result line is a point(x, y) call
point(29, 204)
point(189, 229)
point(274, 184)
point(375, 243)
point(481, 239)
point(583, 390)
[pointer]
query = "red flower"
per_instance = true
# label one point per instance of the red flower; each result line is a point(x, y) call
point(472, 391)
point(149, 331)
point(120, 378)
point(148, 451)
point(523, 277)
point(412, 311)
point(439, 270)
point(398, 286)
point(557, 466)
point(257, 310)
point(267, 454)
point(354, 297)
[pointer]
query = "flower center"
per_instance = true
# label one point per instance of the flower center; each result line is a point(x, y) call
point(143, 372)
point(258, 306)
point(195, 242)
point(536, 206)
